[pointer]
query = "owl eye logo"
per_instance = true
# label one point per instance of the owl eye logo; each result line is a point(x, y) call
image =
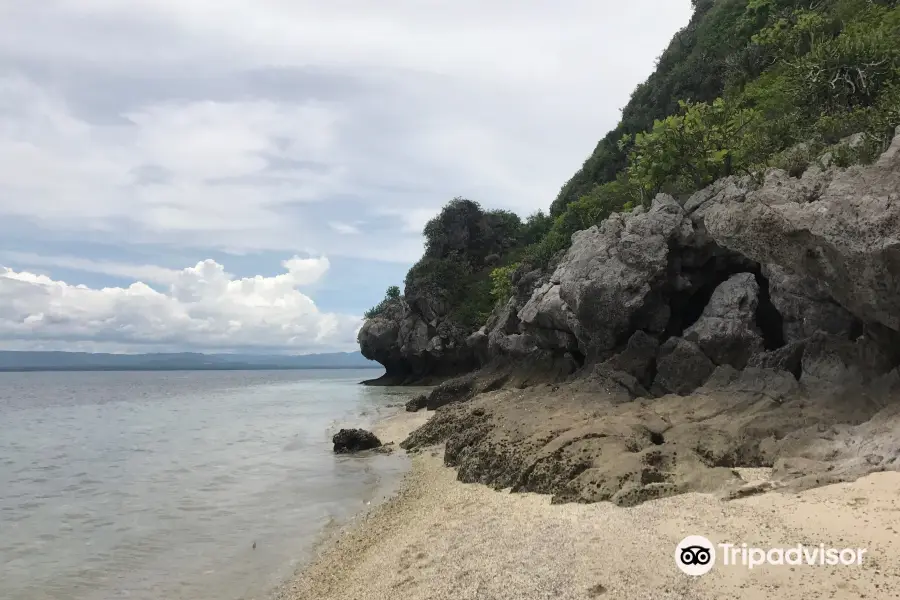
point(695, 555)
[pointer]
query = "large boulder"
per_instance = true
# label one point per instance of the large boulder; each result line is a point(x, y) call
point(612, 277)
point(682, 367)
point(726, 331)
point(638, 359)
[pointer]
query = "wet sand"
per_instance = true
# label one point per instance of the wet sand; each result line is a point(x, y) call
point(438, 538)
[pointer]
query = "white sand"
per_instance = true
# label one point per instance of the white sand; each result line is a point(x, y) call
point(438, 539)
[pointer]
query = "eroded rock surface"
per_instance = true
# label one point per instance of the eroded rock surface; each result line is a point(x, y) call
point(412, 349)
point(586, 447)
point(840, 227)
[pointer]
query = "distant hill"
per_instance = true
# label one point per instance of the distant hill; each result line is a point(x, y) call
point(184, 361)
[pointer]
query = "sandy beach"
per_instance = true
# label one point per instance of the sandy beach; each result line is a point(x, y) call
point(438, 538)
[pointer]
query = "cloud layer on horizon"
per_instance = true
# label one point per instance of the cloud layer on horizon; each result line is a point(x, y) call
point(200, 308)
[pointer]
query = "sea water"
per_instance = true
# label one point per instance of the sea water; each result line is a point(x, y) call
point(157, 485)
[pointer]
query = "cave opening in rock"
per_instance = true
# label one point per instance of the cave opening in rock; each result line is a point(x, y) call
point(579, 357)
point(686, 306)
point(768, 319)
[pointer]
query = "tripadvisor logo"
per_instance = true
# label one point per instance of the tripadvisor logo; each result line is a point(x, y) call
point(695, 555)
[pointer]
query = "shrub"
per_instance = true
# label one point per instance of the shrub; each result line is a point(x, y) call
point(463, 228)
point(687, 151)
point(392, 294)
point(501, 280)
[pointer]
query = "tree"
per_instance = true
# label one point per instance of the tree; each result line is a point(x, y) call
point(501, 280)
point(687, 151)
point(392, 294)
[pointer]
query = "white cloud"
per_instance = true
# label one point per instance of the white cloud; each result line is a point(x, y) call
point(202, 308)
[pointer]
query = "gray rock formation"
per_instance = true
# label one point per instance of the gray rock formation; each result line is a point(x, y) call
point(840, 227)
point(610, 279)
point(747, 272)
point(410, 348)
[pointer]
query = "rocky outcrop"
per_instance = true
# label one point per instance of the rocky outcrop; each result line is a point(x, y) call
point(746, 272)
point(611, 281)
point(423, 336)
point(763, 316)
point(839, 227)
point(581, 446)
point(625, 288)
point(412, 349)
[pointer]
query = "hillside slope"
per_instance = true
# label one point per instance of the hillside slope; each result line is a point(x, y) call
point(746, 86)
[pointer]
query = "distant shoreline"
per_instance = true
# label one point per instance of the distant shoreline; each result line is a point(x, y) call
point(186, 368)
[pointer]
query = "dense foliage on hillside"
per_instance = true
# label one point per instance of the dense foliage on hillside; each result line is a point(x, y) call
point(747, 84)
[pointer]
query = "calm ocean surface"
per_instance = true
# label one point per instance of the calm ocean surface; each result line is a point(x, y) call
point(156, 485)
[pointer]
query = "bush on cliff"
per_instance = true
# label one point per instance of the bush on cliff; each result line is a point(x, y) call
point(463, 244)
point(392, 293)
point(501, 283)
point(689, 150)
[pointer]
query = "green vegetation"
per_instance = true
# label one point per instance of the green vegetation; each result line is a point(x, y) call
point(463, 245)
point(746, 85)
point(690, 150)
point(501, 283)
point(748, 80)
point(393, 293)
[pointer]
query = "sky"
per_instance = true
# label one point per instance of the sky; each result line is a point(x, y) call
point(251, 175)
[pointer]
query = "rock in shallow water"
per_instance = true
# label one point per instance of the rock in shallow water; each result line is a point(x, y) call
point(354, 440)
